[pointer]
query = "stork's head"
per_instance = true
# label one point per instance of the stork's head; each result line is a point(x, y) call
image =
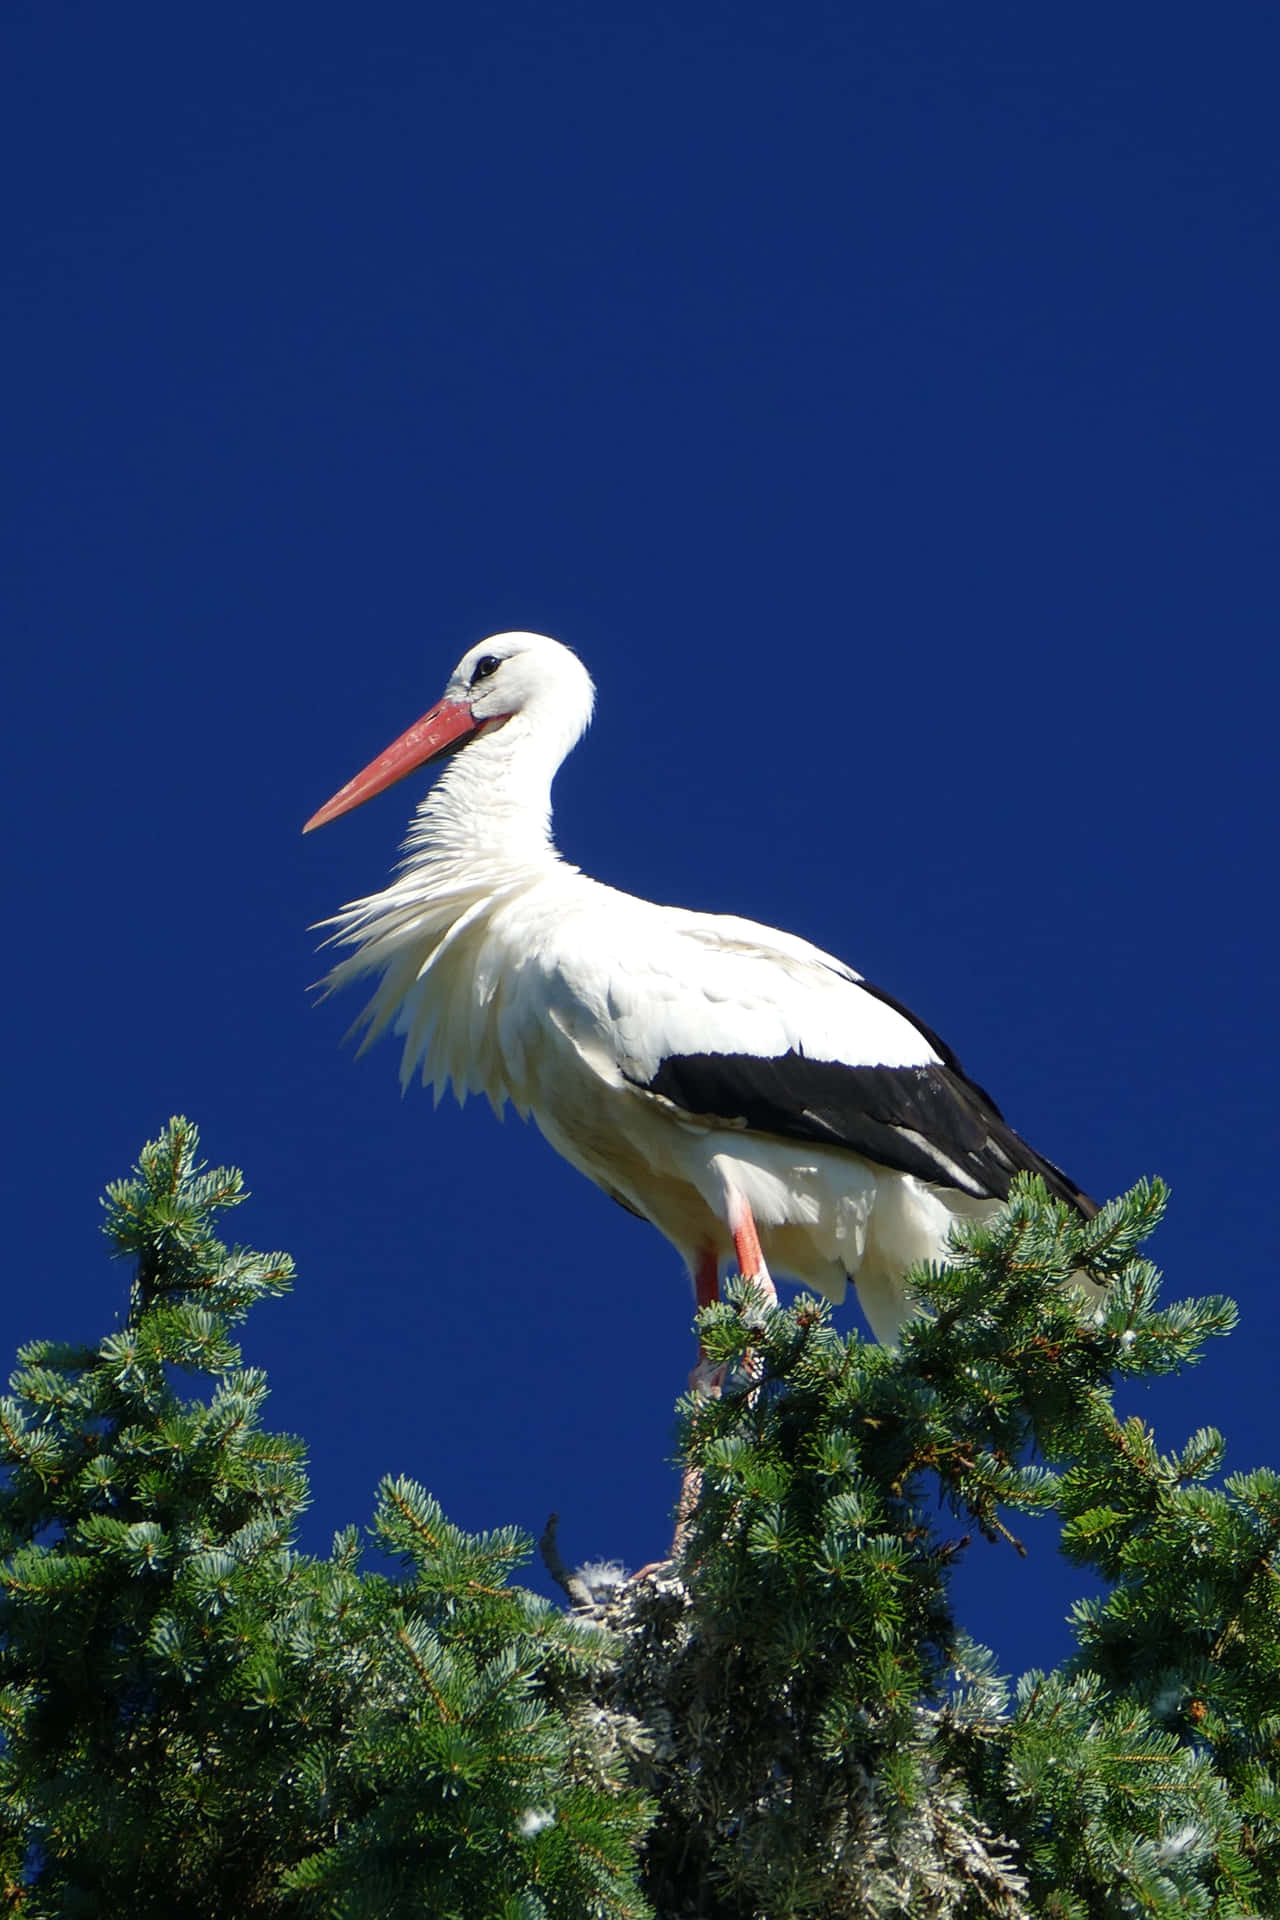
point(523, 685)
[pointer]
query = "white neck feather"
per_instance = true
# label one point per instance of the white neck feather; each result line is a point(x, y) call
point(490, 810)
point(481, 837)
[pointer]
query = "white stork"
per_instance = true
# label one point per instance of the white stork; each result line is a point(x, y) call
point(755, 1099)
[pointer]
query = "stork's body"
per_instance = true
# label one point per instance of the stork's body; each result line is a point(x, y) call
point(730, 1083)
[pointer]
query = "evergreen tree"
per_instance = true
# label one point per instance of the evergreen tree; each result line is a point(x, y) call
point(832, 1744)
point(200, 1720)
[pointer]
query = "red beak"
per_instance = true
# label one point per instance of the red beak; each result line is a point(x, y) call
point(448, 724)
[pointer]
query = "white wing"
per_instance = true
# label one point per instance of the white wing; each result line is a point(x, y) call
point(644, 983)
point(743, 1025)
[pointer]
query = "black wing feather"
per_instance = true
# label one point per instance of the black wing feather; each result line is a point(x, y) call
point(931, 1121)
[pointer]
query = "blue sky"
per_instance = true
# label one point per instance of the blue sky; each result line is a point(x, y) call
point(883, 403)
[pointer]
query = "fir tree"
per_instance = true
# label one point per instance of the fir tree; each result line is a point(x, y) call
point(832, 1744)
point(200, 1720)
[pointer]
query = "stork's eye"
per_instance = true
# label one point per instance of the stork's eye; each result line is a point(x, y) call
point(487, 664)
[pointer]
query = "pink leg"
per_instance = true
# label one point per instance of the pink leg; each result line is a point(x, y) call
point(706, 1277)
point(706, 1286)
point(705, 1378)
point(746, 1244)
point(706, 1381)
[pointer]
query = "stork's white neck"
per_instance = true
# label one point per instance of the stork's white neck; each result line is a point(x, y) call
point(478, 845)
point(489, 813)
point(480, 839)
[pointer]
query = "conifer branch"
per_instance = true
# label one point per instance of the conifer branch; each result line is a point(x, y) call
point(789, 1721)
point(570, 1583)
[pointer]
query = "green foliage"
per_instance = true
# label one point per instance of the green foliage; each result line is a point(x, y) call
point(836, 1746)
point(198, 1720)
point(465, 1792)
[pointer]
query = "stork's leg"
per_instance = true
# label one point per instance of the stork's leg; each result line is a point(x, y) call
point(705, 1381)
point(706, 1277)
point(746, 1244)
point(742, 1226)
point(706, 1288)
point(705, 1378)
point(751, 1263)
